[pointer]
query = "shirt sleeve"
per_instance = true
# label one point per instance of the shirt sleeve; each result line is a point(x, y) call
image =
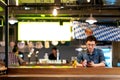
point(79, 57)
point(82, 56)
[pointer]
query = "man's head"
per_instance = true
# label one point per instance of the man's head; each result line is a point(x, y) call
point(91, 43)
point(88, 32)
point(54, 50)
point(12, 44)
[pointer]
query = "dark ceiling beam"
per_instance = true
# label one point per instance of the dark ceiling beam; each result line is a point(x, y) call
point(65, 5)
point(76, 14)
point(67, 18)
point(70, 12)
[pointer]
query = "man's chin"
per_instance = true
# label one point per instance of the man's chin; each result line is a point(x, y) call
point(90, 51)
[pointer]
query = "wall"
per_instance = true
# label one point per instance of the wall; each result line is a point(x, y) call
point(66, 52)
point(116, 52)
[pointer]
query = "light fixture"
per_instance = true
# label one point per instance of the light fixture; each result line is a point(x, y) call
point(21, 45)
point(91, 19)
point(38, 45)
point(88, 1)
point(12, 20)
point(47, 44)
point(54, 12)
point(62, 42)
point(55, 43)
point(17, 2)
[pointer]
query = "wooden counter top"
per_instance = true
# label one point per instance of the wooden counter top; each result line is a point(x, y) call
point(66, 71)
point(79, 73)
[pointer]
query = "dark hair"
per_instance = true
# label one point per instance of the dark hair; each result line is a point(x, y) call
point(91, 38)
point(54, 48)
point(15, 49)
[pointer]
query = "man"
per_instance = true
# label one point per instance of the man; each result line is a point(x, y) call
point(92, 57)
point(53, 55)
point(88, 32)
point(15, 56)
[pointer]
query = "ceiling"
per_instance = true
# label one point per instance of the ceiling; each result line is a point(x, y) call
point(105, 10)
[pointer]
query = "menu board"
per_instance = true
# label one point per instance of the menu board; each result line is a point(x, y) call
point(44, 31)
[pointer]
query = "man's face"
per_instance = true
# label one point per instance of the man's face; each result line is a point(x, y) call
point(12, 44)
point(90, 45)
point(54, 51)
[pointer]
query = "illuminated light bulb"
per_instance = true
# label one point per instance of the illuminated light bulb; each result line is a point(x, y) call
point(47, 45)
point(21, 45)
point(38, 45)
point(12, 20)
point(55, 12)
point(55, 43)
point(17, 3)
point(29, 55)
point(22, 42)
point(88, 0)
point(91, 19)
point(62, 42)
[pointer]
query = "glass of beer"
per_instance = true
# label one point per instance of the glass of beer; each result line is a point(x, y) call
point(74, 61)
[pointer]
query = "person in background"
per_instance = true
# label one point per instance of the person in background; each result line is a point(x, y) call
point(19, 54)
point(30, 46)
point(53, 55)
point(2, 65)
point(92, 57)
point(12, 44)
point(88, 32)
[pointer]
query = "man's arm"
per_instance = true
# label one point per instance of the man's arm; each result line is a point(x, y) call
point(101, 59)
point(101, 64)
point(19, 58)
point(82, 59)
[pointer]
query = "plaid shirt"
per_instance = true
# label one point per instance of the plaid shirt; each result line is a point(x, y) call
point(12, 59)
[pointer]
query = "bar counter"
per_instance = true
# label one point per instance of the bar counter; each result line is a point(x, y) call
point(61, 73)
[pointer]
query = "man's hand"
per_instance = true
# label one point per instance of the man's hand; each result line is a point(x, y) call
point(84, 63)
point(91, 64)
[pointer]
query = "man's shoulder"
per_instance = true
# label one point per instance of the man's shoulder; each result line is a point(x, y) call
point(99, 51)
point(82, 52)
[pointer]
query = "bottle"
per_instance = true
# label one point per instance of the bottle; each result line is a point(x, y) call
point(46, 56)
point(58, 55)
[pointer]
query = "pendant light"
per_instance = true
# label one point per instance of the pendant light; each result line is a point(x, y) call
point(12, 19)
point(91, 19)
point(54, 12)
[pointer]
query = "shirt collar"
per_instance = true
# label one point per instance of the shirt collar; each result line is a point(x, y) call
point(92, 52)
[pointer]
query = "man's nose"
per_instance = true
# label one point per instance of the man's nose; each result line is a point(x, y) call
point(90, 46)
